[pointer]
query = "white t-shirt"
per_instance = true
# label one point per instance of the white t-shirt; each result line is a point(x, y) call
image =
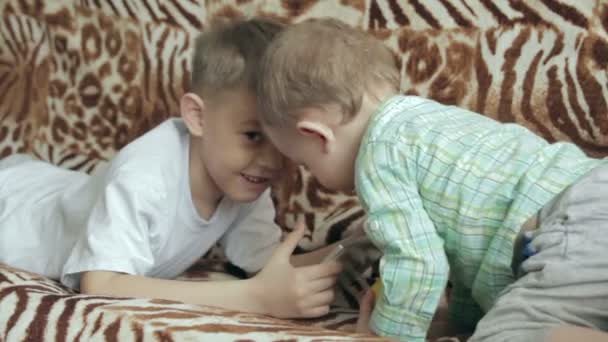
point(134, 216)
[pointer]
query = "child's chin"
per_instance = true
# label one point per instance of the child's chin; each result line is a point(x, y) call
point(245, 196)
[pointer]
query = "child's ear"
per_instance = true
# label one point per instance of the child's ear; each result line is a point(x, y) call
point(319, 131)
point(192, 109)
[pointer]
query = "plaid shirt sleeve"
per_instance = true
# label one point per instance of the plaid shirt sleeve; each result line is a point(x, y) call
point(414, 268)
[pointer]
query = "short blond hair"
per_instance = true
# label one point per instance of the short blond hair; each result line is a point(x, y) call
point(320, 62)
point(227, 56)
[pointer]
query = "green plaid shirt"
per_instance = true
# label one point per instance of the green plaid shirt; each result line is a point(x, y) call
point(446, 191)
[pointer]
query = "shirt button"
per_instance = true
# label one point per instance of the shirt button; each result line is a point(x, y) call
point(373, 225)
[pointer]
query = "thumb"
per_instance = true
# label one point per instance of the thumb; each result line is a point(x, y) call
point(291, 241)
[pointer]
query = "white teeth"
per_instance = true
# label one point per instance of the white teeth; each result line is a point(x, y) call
point(253, 179)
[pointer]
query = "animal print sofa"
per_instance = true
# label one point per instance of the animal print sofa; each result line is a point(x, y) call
point(80, 79)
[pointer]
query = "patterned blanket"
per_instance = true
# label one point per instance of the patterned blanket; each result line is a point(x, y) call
point(33, 308)
point(80, 79)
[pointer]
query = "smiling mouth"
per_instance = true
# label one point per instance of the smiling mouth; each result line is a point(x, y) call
point(255, 180)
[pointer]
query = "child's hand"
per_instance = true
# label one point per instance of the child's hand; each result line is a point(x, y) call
point(366, 306)
point(285, 291)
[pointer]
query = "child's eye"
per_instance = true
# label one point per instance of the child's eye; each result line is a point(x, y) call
point(253, 136)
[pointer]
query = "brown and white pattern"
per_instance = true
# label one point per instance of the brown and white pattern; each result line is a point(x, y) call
point(446, 14)
point(554, 82)
point(33, 308)
point(24, 69)
point(80, 79)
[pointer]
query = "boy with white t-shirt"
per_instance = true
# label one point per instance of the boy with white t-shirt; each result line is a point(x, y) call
point(166, 198)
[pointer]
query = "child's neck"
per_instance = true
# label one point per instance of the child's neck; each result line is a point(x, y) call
point(370, 104)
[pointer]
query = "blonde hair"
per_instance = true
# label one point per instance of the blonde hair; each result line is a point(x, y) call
point(319, 62)
point(227, 56)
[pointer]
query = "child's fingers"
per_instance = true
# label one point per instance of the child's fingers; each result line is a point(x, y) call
point(320, 299)
point(290, 243)
point(315, 312)
point(323, 270)
point(322, 284)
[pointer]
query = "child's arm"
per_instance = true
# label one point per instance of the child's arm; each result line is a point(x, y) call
point(235, 295)
point(252, 240)
point(414, 267)
point(280, 289)
point(366, 306)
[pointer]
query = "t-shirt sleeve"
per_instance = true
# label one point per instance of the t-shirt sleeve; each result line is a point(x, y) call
point(254, 236)
point(116, 236)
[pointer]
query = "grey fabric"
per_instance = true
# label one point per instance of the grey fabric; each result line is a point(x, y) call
point(566, 281)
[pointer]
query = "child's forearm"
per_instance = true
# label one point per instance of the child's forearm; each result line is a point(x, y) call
point(235, 295)
point(279, 289)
